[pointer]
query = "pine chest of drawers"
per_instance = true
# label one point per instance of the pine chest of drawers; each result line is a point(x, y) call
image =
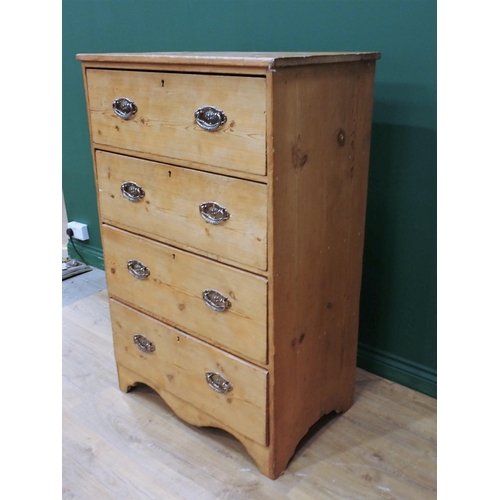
point(232, 194)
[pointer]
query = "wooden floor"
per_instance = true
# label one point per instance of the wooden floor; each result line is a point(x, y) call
point(131, 446)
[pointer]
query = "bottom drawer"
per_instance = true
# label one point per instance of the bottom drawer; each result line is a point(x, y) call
point(223, 386)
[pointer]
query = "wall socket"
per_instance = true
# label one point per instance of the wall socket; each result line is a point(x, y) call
point(80, 231)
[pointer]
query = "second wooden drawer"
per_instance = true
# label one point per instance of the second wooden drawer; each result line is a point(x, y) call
point(168, 207)
point(171, 286)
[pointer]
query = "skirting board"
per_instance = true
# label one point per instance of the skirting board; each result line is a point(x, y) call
point(397, 369)
point(91, 255)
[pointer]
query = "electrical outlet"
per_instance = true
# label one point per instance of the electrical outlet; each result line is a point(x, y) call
point(80, 231)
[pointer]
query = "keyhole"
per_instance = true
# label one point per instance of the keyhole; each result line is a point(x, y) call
point(173, 256)
point(163, 83)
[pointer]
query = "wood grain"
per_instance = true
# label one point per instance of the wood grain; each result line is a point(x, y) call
point(320, 174)
point(173, 292)
point(170, 212)
point(164, 123)
point(118, 445)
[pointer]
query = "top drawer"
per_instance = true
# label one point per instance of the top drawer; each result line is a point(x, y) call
point(164, 121)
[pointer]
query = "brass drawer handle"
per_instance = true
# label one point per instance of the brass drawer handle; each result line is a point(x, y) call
point(124, 108)
point(210, 118)
point(213, 213)
point(218, 383)
point(132, 191)
point(137, 269)
point(216, 301)
point(144, 344)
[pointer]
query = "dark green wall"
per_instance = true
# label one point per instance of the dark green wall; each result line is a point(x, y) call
point(398, 302)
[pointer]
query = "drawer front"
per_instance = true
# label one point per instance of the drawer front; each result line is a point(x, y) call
point(173, 291)
point(170, 207)
point(164, 122)
point(179, 364)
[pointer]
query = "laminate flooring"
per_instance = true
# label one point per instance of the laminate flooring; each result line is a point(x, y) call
point(132, 446)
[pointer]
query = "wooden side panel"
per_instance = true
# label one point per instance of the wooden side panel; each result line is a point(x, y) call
point(170, 209)
point(178, 365)
point(173, 292)
point(322, 127)
point(164, 123)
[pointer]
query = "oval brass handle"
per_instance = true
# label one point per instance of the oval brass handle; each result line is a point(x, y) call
point(132, 191)
point(218, 383)
point(210, 118)
point(137, 269)
point(124, 108)
point(213, 213)
point(144, 344)
point(216, 301)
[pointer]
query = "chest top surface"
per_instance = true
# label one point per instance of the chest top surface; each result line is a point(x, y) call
point(265, 60)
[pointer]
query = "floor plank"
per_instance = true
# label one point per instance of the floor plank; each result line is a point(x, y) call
point(118, 445)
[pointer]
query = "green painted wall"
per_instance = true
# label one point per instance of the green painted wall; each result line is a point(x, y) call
point(398, 302)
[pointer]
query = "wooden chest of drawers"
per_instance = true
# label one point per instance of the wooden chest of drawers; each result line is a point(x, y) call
point(232, 194)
